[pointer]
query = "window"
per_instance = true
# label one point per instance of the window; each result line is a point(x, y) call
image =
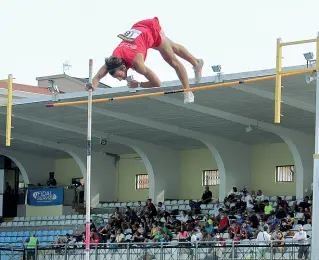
point(285, 173)
point(210, 178)
point(141, 181)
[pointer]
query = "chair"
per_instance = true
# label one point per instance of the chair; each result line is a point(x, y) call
point(307, 227)
point(288, 198)
point(273, 198)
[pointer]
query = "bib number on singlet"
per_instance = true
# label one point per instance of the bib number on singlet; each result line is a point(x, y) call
point(130, 35)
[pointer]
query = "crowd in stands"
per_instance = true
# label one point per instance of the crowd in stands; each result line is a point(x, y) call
point(242, 215)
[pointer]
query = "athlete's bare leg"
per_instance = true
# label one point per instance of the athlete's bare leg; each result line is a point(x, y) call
point(168, 49)
point(182, 52)
point(168, 55)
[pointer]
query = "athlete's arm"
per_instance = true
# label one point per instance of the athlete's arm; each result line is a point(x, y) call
point(139, 66)
point(101, 74)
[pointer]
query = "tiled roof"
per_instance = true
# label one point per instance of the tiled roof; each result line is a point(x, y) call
point(27, 88)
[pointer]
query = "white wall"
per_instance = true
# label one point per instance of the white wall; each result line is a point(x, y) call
point(36, 168)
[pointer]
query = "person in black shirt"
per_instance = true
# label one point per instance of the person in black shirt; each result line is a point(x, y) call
point(304, 204)
point(207, 196)
point(151, 208)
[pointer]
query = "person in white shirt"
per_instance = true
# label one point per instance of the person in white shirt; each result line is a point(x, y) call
point(263, 238)
point(249, 201)
point(301, 238)
point(197, 235)
point(161, 208)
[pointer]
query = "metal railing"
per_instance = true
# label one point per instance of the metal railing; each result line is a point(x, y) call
point(163, 251)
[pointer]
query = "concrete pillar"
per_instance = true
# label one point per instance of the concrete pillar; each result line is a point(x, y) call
point(103, 174)
point(302, 149)
point(234, 164)
point(163, 170)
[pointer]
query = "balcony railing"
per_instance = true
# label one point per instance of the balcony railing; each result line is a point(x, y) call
point(163, 251)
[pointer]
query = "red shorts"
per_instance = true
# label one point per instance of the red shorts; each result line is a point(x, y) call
point(148, 37)
point(153, 28)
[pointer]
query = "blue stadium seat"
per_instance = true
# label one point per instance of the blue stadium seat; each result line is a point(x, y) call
point(3, 234)
point(51, 239)
point(20, 239)
point(51, 233)
point(2, 239)
point(38, 233)
point(9, 234)
point(45, 232)
point(43, 245)
point(14, 234)
point(26, 233)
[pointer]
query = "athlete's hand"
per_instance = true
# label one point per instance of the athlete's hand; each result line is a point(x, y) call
point(132, 84)
point(89, 86)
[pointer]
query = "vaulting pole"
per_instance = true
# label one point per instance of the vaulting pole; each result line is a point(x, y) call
point(226, 84)
point(9, 111)
point(88, 166)
point(315, 192)
point(278, 82)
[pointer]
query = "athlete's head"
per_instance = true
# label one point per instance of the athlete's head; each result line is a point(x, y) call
point(116, 67)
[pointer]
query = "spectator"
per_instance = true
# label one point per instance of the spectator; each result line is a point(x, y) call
point(139, 208)
point(233, 230)
point(195, 207)
point(207, 196)
point(67, 238)
point(182, 235)
point(151, 208)
point(301, 239)
point(260, 198)
point(161, 207)
point(95, 238)
point(304, 205)
point(159, 236)
point(273, 221)
point(196, 235)
point(267, 209)
point(119, 236)
point(8, 189)
point(209, 228)
point(263, 238)
point(223, 223)
point(51, 181)
point(246, 230)
point(282, 203)
point(154, 230)
point(254, 222)
point(248, 200)
point(280, 243)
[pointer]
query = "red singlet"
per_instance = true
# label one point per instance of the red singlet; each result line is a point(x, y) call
point(146, 35)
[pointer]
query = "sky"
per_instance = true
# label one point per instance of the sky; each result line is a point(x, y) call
point(38, 36)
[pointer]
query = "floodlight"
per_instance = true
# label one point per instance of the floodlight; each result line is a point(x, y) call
point(216, 68)
point(308, 56)
point(53, 87)
point(249, 129)
point(311, 77)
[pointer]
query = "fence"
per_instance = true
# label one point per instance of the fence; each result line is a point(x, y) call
point(163, 251)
